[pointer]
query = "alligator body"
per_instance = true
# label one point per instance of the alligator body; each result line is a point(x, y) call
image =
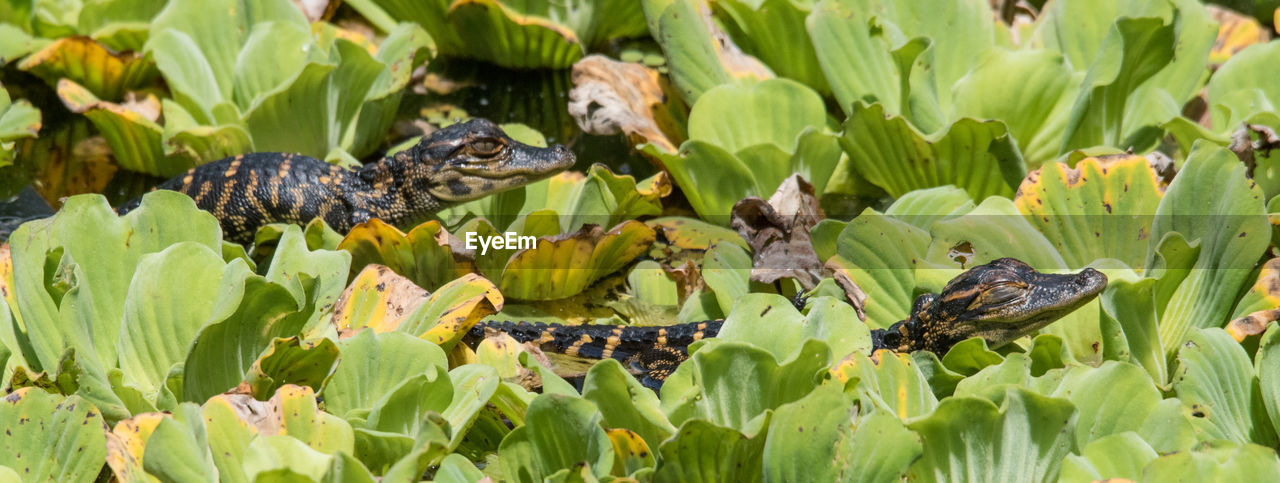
point(999, 302)
point(462, 162)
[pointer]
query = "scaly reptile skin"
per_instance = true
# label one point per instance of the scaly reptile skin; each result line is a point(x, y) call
point(999, 302)
point(462, 162)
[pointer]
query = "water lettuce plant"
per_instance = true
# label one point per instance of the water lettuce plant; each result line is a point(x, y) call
point(515, 34)
point(275, 87)
point(143, 346)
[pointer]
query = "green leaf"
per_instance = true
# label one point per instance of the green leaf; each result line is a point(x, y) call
point(457, 469)
point(822, 437)
point(291, 361)
point(1230, 229)
point(86, 62)
point(1216, 381)
point(177, 450)
point(1265, 363)
point(373, 365)
point(734, 384)
point(854, 54)
point(504, 35)
point(18, 120)
point(1133, 51)
point(921, 208)
point(771, 322)
point(774, 31)
point(625, 403)
point(274, 457)
point(1129, 308)
point(1121, 455)
point(565, 265)
point(1214, 462)
point(697, 59)
point(1100, 417)
point(881, 255)
point(893, 383)
point(1093, 211)
point(559, 432)
point(745, 139)
point(726, 268)
point(169, 301)
point(1023, 439)
point(51, 438)
point(703, 451)
point(224, 350)
point(1236, 94)
point(418, 255)
point(980, 157)
point(1030, 90)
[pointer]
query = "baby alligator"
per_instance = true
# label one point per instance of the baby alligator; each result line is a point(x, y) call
point(999, 302)
point(462, 162)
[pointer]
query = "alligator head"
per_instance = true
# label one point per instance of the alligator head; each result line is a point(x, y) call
point(999, 302)
point(472, 159)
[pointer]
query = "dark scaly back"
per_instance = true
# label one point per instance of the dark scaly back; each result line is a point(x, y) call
point(619, 342)
point(251, 190)
point(461, 162)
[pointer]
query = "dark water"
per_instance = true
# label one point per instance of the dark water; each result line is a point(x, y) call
point(55, 165)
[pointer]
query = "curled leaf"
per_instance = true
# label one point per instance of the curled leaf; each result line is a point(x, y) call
point(379, 299)
point(609, 97)
point(86, 62)
point(567, 264)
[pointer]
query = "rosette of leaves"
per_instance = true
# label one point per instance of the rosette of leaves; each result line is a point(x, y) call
point(538, 34)
point(153, 308)
point(745, 139)
point(936, 98)
point(253, 76)
point(95, 43)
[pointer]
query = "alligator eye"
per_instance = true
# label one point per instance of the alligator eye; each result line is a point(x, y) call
point(486, 147)
point(1001, 294)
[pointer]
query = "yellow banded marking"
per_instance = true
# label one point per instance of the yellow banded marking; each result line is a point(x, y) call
point(547, 336)
point(186, 180)
point(698, 335)
point(235, 165)
point(577, 345)
point(223, 197)
point(662, 337)
point(205, 188)
point(284, 167)
point(254, 200)
point(615, 338)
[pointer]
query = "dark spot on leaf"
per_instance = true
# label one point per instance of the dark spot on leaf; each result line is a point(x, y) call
point(1107, 206)
point(1241, 234)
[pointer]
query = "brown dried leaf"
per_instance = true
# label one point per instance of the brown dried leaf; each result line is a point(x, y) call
point(609, 97)
point(1268, 287)
point(1244, 146)
point(1252, 324)
point(778, 233)
point(857, 298)
point(688, 279)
